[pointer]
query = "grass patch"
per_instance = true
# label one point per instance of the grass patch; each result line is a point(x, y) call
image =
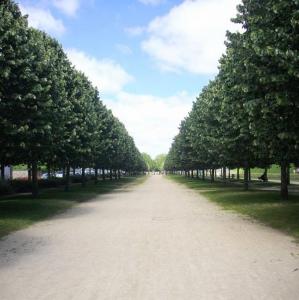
point(21, 211)
point(273, 173)
point(264, 206)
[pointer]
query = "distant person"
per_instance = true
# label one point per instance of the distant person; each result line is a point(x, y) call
point(263, 177)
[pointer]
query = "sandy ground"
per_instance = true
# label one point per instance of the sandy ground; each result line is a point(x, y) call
point(157, 240)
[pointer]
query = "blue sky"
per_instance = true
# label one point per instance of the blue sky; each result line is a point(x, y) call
point(149, 58)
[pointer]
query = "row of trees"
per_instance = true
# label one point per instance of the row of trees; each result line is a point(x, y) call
point(248, 116)
point(156, 164)
point(50, 113)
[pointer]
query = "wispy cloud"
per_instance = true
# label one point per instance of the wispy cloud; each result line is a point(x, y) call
point(68, 7)
point(135, 31)
point(151, 2)
point(124, 49)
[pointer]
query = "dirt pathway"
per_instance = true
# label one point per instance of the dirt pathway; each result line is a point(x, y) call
point(156, 240)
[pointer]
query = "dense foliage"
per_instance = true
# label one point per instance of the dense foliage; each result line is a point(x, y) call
point(156, 164)
point(248, 116)
point(50, 114)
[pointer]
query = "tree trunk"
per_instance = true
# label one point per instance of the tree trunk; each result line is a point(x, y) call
point(197, 174)
point(74, 171)
point(48, 171)
point(110, 174)
point(29, 172)
point(249, 174)
point(238, 174)
point(2, 171)
point(67, 178)
point(118, 174)
point(83, 182)
point(34, 180)
point(96, 175)
point(192, 174)
point(103, 175)
point(203, 174)
point(224, 173)
point(266, 174)
point(288, 174)
point(246, 178)
point(212, 175)
point(228, 173)
point(284, 193)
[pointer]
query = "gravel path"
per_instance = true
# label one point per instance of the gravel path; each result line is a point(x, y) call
point(157, 240)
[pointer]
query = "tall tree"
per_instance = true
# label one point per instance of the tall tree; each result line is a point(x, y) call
point(14, 67)
point(271, 33)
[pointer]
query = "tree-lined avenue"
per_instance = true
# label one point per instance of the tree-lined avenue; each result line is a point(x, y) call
point(156, 240)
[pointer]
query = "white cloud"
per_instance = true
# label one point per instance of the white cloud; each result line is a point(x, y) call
point(43, 19)
point(151, 2)
point(106, 74)
point(69, 7)
point(191, 36)
point(152, 121)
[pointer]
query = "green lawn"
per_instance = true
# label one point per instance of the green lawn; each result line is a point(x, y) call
point(21, 211)
point(264, 206)
point(273, 173)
